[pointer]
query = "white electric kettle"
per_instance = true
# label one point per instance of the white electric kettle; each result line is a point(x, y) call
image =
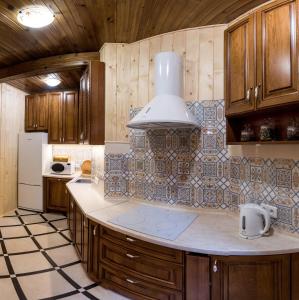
point(254, 221)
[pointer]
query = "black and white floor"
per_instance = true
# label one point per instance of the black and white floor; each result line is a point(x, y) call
point(39, 261)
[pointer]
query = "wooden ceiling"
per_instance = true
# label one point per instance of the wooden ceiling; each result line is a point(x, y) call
point(85, 25)
point(70, 79)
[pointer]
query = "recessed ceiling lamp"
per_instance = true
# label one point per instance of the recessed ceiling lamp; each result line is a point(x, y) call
point(50, 81)
point(35, 16)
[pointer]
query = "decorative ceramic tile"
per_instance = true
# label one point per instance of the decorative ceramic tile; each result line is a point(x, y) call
point(193, 167)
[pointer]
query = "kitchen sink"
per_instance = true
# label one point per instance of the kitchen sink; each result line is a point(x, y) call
point(83, 180)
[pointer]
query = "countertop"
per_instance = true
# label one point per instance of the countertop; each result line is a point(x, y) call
point(71, 176)
point(212, 232)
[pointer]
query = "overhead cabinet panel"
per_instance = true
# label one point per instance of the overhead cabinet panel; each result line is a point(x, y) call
point(277, 62)
point(239, 60)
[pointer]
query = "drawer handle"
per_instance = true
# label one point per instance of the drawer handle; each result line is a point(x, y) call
point(130, 240)
point(132, 256)
point(131, 281)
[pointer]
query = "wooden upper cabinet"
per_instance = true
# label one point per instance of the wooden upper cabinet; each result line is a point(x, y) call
point(55, 118)
point(30, 113)
point(36, 112)
point(42, 112)
point(248, 278)
point(239, 62)
point(92, 105)
point(70, 117)
point(277, 59)
point(63, 117)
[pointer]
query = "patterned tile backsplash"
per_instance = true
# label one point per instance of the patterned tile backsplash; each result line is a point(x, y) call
point(194, 168)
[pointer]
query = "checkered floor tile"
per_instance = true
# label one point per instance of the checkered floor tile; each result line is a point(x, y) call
point(39, 261)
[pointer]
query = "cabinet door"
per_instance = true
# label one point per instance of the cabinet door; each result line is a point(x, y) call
point(55, 118)
point(295, 276)
point(41, 109)
point(84, 108)
point(70, 117)
point(56, 195)
point(71, 216)
point(248, 278)
point(30, 115)
point(79, 231)
point(239, 66)
point(277, 61)
point(93, 251)
point(197, 277)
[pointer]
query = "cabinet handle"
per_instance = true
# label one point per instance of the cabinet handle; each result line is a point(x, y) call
point(215, 268)
point(130, 239)
point(65, 191)
point(95, 231)
point(72, 205)
point(256, 92)
point(248, 94)
point(131, 281)
point(63, 139)
point(131, 255)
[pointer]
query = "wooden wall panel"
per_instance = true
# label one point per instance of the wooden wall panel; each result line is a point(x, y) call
point(12, 105)
point(130, 72)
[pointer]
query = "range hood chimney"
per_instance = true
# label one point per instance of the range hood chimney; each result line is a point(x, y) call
point(167, 109)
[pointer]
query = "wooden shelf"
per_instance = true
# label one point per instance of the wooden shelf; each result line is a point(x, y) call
point(281, 118)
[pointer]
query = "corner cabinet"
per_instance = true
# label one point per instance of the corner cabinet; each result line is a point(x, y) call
point(63, 117)
point(55, 194)
point(36, 112)
point(92, 105)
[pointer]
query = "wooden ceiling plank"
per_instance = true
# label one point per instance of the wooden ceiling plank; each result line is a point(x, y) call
point(47, 65)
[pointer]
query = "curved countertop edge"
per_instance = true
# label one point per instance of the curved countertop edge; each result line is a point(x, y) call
point(102, 212)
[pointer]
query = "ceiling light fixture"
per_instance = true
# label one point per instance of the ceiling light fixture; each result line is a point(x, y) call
point(52, 81)
point(35, 16)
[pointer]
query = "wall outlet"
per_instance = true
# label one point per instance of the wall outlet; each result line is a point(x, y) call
point(271, 209)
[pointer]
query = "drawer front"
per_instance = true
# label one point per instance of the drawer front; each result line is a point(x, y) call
point(153, 250)
point(152, 269)
point(134, 288)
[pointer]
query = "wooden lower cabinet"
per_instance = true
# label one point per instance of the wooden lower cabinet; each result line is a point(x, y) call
point(142, 270)
point(93, 251)
point(197, 277)
point(250, 277)
point(134, 288)
point(295, 276)
point(55, 194)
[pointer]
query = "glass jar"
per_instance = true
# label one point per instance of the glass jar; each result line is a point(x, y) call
point(293, 130)
point(267, 130)
point(247, 133)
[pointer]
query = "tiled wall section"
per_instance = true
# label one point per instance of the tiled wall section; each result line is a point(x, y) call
point(275, 182)
point(193, 167)
point(176, 166)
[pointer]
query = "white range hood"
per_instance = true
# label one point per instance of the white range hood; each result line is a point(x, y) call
point(167, 109)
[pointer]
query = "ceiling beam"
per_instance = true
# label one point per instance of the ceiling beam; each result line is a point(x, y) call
point(47, 65)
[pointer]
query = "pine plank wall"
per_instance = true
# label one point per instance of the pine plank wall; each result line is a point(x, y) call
point(12, 105)
point(130, 72)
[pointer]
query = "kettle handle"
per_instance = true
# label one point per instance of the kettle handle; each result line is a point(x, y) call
point(266, 215)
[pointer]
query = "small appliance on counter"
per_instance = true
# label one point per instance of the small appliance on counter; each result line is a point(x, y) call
point(62, 168)
point(254, 221)
point(86, 167)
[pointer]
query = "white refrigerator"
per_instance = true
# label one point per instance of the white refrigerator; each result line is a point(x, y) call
point(34, 156)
